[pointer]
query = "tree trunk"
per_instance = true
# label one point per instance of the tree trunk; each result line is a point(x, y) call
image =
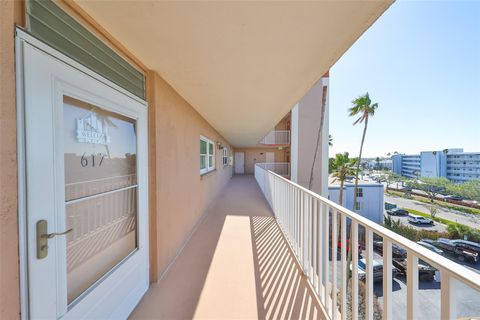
point(349, 255)
point(319, 134)
point(340, 197)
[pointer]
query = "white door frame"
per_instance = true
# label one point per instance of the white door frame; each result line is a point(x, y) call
point(24, 40)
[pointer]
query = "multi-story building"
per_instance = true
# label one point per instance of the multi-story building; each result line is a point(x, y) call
point(370, 198)
point(290, 147)
point(118, 127)
point(381, 164)
point(453, 164)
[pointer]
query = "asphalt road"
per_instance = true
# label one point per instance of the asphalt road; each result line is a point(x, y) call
point(452, 215)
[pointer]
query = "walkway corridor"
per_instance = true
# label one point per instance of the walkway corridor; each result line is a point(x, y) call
point(237, 265)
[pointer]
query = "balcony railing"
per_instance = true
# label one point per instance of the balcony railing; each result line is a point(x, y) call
point(277, 137)
point(309, 222)
point(280, 168)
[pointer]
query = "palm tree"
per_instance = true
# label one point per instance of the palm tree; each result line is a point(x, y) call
point(364, 108)
point(341, 167)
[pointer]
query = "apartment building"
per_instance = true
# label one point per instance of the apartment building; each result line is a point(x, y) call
point(453, 164)
point(297, 148)
point(274, 148)
point(119, 123)
point(370, 198)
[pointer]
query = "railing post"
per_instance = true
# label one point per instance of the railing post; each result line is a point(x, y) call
point(412, 285)
point(387, 279)
point(369, 274)
point(326, 256)
point(353, 245)
point(343, 240)
point(334, 263)
point(447, 307)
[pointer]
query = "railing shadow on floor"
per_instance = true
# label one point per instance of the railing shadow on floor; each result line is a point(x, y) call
point(282, 290)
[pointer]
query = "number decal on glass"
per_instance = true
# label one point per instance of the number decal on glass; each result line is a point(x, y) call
point(84, 160)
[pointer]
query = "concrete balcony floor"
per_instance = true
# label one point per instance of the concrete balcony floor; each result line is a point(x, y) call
point(237, 265)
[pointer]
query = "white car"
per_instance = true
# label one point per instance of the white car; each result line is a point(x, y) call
point(419, 220)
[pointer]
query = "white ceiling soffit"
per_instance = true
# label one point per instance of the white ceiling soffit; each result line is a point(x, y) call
point(241, 65)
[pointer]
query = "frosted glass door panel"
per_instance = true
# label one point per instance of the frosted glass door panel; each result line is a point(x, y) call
point(100, 192)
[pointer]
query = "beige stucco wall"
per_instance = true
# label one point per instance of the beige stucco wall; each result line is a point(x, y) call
point(258, 155)
point(305, 125)
point(182, 195)
point(283, 124)
point(9, 273)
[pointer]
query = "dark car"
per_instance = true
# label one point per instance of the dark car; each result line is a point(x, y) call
point(426, 244)
point(397, 212)
point(425, 271)
point(454, 198)
point(460, 252)
point(397, 251)
point(469, 245)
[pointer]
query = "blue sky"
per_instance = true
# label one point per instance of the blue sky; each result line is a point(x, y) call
point(421, 62)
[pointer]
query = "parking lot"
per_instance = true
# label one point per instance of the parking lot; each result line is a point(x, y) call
point(437, 226)
point(467, 299)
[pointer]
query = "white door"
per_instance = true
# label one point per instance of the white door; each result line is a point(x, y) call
point(85, 143)
point(270, 157)
point(239, 162)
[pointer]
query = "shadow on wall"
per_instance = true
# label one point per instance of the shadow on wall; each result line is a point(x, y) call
point(282, 289)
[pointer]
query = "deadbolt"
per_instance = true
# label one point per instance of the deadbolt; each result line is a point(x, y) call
point(43, 236)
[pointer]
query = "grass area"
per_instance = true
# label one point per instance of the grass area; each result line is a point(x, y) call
point(454, 230)
point(437, 202)
point(452, 206)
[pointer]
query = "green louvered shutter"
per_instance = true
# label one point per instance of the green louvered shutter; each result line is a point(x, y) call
point(51, 24)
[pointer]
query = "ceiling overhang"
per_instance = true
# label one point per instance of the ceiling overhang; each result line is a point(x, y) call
point(241, 65)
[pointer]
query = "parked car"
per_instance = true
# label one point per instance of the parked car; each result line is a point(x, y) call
point(460, 252)
point(377, 269)
point(430, 247)
point(397, 212)
point(454, 198)
point(419, 220)
point(339, 246)
point(425, 271)
point(469, 245)
point(397, 251)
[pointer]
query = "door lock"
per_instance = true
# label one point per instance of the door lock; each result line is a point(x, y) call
point(43, 236)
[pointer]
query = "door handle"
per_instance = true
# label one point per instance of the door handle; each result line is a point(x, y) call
point(54, 234)
point(43, 236)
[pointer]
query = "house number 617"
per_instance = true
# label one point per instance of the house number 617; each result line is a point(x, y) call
point(92, 160)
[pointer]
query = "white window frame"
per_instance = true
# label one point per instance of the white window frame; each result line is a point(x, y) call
point(359, 192)
point(210, 166)
point(358, 206)
point(225, 156)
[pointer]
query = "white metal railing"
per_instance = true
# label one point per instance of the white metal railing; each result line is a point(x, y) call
point(309, 222)
point(281, 168)
point(276, 137)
